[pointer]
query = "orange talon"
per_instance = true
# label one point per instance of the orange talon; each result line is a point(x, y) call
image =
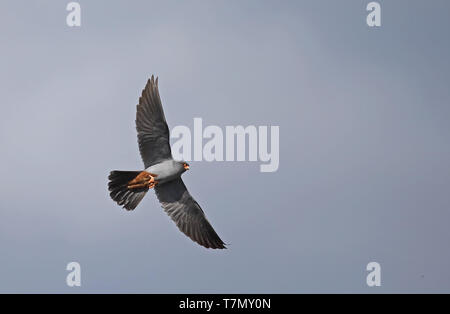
point(143, 180)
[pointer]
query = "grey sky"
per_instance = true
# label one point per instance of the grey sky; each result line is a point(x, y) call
point(364, 144)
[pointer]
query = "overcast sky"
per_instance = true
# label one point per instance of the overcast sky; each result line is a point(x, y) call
point(364, 145)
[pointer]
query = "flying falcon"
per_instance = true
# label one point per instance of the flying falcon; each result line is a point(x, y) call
point(162, 173)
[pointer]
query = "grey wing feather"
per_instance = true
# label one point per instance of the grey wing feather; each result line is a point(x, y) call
point(151, 126)
point(187, 214)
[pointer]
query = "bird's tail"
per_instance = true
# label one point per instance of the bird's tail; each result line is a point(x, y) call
point(119, 191)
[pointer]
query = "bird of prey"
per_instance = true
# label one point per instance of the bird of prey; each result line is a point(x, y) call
point(127, 188)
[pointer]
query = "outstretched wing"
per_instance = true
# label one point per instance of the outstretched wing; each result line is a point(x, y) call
point(187, 214)
point(151, 126)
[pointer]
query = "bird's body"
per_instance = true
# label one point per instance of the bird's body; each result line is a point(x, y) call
point(162, 173)
point(166, 170)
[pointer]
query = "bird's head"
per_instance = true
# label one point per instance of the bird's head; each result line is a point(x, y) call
point(185, 165)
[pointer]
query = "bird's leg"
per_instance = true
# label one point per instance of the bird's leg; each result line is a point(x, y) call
point(144, 180)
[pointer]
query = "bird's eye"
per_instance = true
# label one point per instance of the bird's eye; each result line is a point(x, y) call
point(186, 166)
